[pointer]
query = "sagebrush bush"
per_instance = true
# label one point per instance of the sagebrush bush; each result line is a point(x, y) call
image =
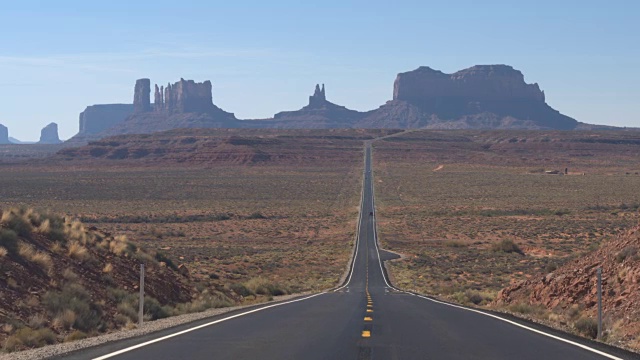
point(507, 246)
point(27, 337)
point(241, 290)
point(75, 336)
point(9, 240)
point(629, 252)
point(26, 250)
point(3, 252)
point(263, 286)
point(77, 251)
point(18, 221)
point(75, 298)
point(587, 327)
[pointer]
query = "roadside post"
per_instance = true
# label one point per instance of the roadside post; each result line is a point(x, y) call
point(599, 303)
point(141, 301)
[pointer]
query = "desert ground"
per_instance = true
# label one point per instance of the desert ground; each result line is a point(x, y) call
point(474, 212)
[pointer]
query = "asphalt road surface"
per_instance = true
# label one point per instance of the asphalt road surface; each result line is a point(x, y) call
point(365, 319)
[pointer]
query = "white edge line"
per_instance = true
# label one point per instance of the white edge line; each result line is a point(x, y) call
point(355, 256)
point(122, 351)
point(107, 356)
point(585, 347)
point(519, 325)
point(375, 224)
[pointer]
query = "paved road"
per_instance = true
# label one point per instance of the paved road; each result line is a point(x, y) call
point(366, 319)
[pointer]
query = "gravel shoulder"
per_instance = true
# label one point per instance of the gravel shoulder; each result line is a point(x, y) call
point(148, 328)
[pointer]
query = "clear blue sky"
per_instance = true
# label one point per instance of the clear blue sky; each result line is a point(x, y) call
point(57, 57)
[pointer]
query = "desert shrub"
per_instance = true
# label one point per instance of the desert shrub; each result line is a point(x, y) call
point(628, 252)
point(127, 309)
point(455, 244)
point(18, 221)
point(65, 320)
point(161, 257)
point(587, 327)
point(36, 321)
point(153, 310)
point(43, 260)
point(551, 267)
point(507, 246)
point(28, 338)
point(78, 252)
point(522, 308)
point(9, 240)
point(241, 290)
point(262, 286)
point(107, 268)
point(75, 298)
point(26, 250)
point(256, 215)
point(3, 252)
point(75, 336)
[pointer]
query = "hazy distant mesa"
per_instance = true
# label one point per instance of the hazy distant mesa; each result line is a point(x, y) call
point(480, 97)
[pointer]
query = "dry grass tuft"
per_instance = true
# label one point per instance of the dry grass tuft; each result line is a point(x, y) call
point(77, 251)
point(3, 252)
point(108, 268)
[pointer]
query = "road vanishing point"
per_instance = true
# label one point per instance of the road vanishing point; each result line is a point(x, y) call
point(365, 318)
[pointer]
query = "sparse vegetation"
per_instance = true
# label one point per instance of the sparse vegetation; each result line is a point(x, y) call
point(507, 246)
point(587, 327)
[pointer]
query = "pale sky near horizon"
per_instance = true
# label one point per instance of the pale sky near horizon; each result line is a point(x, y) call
point(263, 57)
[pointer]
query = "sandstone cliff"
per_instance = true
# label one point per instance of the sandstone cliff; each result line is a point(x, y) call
point(480, 97)
point(4, 135)
point(184, 104)
point(97, 118)
point(49, 135)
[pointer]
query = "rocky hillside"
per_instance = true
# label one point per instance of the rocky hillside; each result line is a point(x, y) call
point(570, 291)
point(480, 97)
point(62, 281)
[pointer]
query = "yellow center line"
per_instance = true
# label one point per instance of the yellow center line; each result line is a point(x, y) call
point(366, 334)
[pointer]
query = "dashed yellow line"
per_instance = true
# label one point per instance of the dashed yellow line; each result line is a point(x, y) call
point(368, 318)
point(366, 334)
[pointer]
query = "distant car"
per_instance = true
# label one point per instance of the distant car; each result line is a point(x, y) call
point(371, 213)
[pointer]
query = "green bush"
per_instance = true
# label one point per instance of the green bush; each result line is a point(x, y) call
point(75, 298)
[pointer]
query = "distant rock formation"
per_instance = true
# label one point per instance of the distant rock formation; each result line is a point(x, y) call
point(185, 96)
point(4, 135)
point(184, 104)
point(49, 135)
point(481, 82)
point(141, 96)
point(318, 114)
point(480, 97)
point(97, 118)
